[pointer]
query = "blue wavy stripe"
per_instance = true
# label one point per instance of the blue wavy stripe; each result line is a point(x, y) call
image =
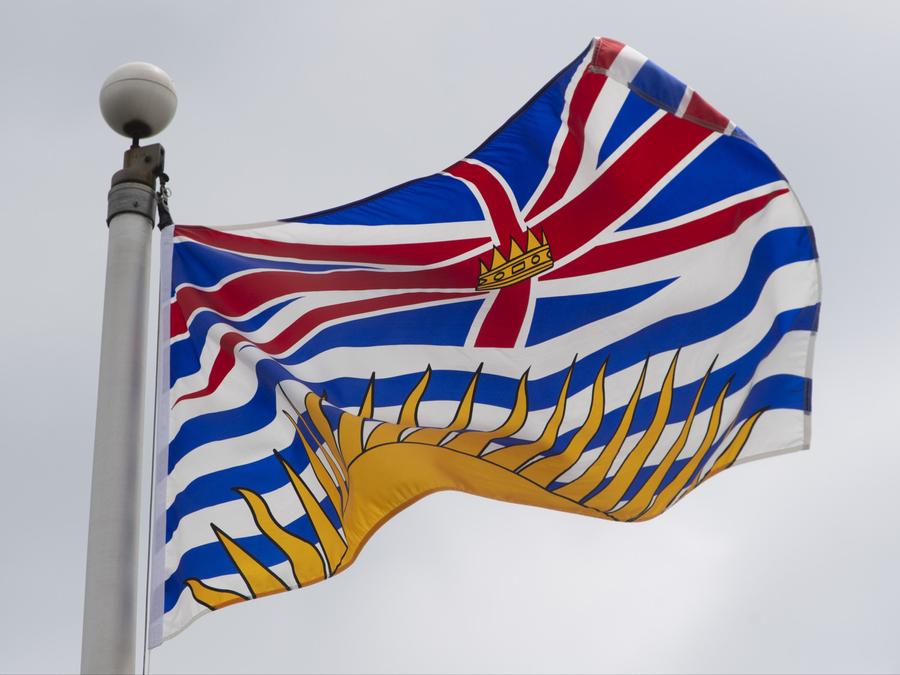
point(217, 487)
point(184, 355)
point(210, 560)
point(773, 250)
point(206, 266)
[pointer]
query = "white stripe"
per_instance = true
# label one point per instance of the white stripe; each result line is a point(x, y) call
point(627, 65)
point(605, 111)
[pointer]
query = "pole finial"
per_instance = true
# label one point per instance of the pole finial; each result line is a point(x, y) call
point(138, 100)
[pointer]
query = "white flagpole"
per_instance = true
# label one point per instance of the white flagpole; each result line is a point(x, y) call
point(137, 101)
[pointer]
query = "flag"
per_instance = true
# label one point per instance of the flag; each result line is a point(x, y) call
point(610, 301)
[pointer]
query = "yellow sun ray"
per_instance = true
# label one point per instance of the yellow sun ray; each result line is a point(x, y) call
point(332, 543)
point(728, 457)
point(213, 598)
point(474, 442)
point(306, 562)
point(637, 504)
point(409, 413)
point(388, 432)
point(579, 488)
point(545, 470)
point(350, 427)
point(332, 450)
point(259, 578)
point(514, 456)
point(367, 407)
point(460, 419)
point(609, 496)
point(325, 480)
point(671, 491)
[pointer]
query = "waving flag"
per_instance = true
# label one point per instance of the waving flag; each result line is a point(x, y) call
point(610, 301)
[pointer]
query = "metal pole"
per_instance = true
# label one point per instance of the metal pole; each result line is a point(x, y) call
point(111, 588)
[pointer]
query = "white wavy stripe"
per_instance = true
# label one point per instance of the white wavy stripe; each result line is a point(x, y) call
point(235, 519)
point(702, 263)
point(280, 321)
point(788, 287)
point(239, 450)
point(788, 357)
point(562, 132)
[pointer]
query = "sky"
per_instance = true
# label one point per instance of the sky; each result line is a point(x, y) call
point(783, 565)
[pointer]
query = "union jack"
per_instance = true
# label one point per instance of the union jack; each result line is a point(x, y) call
point(617, 219)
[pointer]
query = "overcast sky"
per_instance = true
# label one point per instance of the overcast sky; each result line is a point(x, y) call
point(784, 565)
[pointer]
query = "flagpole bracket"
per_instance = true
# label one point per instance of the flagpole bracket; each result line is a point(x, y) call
point(134, 187)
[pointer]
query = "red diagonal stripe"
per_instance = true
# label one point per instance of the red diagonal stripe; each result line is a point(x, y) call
point(583, 98)
point(241, 294)
point(658, 244)
point(500, 209)
point(617, 189)
point(423, 253)
point(504, 319)
point(303, 326)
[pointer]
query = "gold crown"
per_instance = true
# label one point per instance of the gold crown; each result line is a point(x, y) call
point(518, 266)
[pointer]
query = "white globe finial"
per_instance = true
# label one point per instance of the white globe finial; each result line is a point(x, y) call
point(138, 100)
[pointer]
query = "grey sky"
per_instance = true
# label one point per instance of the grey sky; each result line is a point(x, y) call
point(784, 565)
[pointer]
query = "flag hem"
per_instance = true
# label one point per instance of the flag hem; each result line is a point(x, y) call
point(160, 447)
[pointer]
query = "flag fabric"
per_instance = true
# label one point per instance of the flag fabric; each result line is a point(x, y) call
point(611, 300)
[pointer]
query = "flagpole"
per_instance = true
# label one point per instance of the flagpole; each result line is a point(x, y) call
point(137, 101)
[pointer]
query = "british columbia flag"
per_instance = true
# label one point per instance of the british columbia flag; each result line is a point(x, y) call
point(609, 301)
